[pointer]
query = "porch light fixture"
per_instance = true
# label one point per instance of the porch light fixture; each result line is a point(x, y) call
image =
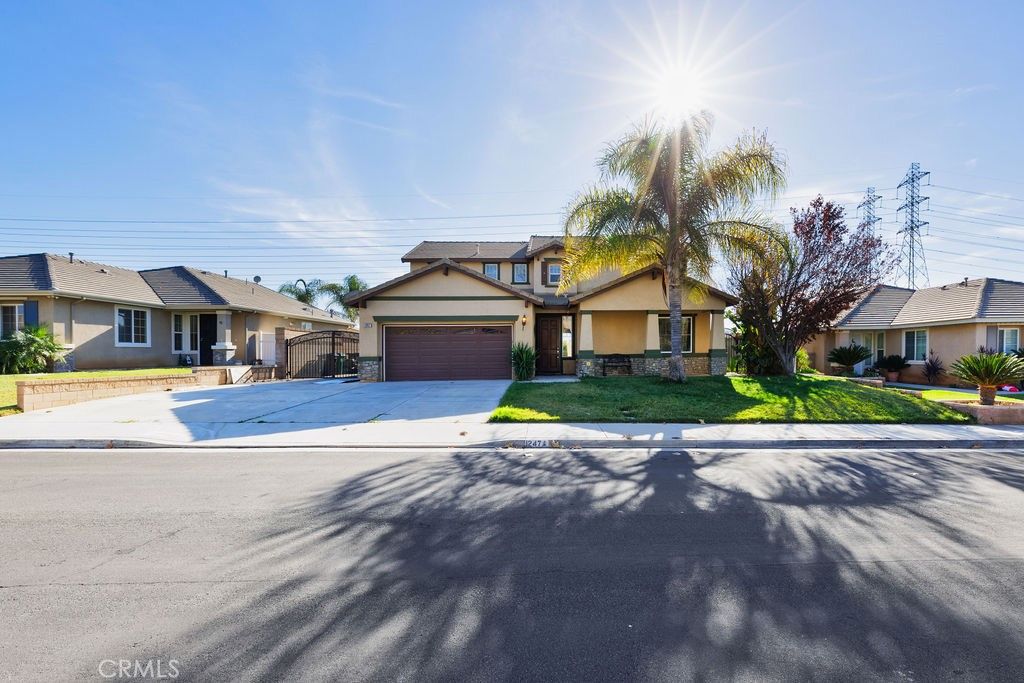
point(523, 320)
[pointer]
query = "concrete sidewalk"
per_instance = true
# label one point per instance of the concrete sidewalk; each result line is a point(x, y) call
point(454, 434)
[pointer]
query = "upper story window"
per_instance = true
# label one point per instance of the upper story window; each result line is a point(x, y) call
point(520, 273)
point(915, 345)
point(132, 327)
point(552, 273)
point(1009, 339)
point(12, 319)
point(492, 270)
point(665, 334)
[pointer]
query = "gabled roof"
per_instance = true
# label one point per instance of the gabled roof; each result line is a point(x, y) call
point(467, 251)
point(539, 243)
point(982, 299)
point(725, 296)
point(876, 308)
point(356, 297)
point(175, 287)
point(76, 278)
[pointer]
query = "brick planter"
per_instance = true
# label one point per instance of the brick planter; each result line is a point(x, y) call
point(999, 414)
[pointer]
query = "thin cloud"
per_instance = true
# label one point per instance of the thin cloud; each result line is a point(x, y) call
point(430, 198)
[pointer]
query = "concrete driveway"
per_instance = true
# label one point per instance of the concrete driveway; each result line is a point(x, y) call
point(271, 407)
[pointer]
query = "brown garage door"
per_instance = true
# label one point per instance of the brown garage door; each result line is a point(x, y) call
point(463, 352)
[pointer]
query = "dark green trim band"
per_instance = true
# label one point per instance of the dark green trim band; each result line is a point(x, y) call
point(652, 353)
point(447, 298)
point(586, 312)
point(369, 357)
point(445, 318)
point(584, 354)
point(717, 353)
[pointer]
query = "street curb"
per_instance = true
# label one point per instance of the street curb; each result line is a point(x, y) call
point(570, 444)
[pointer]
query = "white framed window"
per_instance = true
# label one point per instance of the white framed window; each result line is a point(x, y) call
point(665, 334)
point(520, 273)
point(554, 274)
point(492, 270)
point(1009, 339)
point(131, 326)
point(193, 332)
point(306, 325)
point(915, 345)
point(178, 333)
point(12, 319)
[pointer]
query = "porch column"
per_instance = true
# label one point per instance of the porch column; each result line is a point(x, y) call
point(223, 350)
point(652, 346)
point(585, 362)
point(717, 358)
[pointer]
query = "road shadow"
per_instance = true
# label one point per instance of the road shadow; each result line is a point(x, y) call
point(671, 565)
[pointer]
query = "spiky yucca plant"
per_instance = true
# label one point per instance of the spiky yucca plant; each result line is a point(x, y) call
point(988, 371)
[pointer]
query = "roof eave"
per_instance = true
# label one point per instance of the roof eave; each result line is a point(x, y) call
point(356, 298)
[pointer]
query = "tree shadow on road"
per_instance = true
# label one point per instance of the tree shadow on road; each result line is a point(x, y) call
point(668, 565)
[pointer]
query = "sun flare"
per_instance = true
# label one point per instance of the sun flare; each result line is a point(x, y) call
point(678, 93)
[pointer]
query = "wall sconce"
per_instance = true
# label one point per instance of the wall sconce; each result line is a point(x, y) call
point(523, 320)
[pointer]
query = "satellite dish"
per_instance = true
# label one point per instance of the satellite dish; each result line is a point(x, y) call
point(257, 279)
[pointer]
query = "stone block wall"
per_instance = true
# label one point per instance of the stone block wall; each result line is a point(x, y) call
point(51, 393)
point(369, 369)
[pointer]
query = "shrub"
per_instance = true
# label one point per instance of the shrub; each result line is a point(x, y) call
point(803, 361)
point(524, 361)
point(893, 363)
point(988, 371)
point(848, 356)
point(29, 350)
point(933, 368)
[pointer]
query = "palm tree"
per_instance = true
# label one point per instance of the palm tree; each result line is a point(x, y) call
point(306, 292)
point(338, 290)
point(677, 206)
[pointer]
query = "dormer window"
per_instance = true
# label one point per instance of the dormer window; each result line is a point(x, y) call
point(492, 270)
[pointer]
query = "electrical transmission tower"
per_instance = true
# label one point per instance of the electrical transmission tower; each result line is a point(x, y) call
point(912, 265)
point(867, 209)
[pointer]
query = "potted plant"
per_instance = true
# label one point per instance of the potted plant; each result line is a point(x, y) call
point(848, 356)
point(988, 371)
point(892, 366)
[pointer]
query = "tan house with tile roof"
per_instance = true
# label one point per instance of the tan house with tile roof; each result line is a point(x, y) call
point(113, 317)
point(950, 320)
point(461, 306)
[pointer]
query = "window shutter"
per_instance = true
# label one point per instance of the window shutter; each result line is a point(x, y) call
point(991, 337)
point(31, 313)
point(544, 272)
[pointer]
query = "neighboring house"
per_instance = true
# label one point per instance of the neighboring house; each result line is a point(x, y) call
point(952, 320)
point(119, 318)
point(461, 306)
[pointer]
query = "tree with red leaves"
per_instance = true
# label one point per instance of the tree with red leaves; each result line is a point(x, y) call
point(804, 281)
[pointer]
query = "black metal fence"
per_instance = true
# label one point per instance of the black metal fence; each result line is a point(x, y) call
point(322, 354)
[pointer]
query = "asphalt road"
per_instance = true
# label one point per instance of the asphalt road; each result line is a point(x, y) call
point(502, 565)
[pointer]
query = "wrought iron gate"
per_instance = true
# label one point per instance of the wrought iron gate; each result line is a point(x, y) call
point(322, 354)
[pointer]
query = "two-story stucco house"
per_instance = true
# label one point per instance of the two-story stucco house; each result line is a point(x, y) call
point(951, 320)
point(461, 306)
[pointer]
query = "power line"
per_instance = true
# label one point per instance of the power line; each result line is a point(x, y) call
point(274, 221)
point(980, 194)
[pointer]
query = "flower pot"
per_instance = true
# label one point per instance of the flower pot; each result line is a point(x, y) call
point(892, 375)
point(987, 396)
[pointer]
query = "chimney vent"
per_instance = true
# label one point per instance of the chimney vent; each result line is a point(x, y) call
point(71, 256)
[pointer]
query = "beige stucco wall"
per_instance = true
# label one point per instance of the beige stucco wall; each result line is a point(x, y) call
point(90, 328)
point(620, 332)
point(647, 293)
point(431, 297)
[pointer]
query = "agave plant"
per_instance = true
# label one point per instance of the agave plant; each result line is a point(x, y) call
point(848, 356)
point(989, 371)
point(524, 361)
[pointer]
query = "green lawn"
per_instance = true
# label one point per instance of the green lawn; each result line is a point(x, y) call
point(9, 392)
point(946, 394)
point(804, 398)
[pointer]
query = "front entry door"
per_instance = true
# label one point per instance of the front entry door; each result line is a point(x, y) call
point(207, 337)
point(549, 344)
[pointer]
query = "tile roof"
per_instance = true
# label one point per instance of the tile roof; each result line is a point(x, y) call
point(979, 299)
point(176, 286)
point(466, 251)
point(355, 297)
point(877, 308)
point(539, 243)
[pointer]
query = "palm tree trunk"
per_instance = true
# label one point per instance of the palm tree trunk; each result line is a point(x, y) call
point(676, 369)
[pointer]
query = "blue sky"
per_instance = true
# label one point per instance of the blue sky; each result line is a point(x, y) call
point(477, 120)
